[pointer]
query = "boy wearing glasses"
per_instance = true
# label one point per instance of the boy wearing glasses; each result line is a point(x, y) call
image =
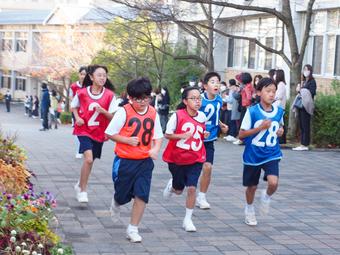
point(211, 106)
point(137, 131)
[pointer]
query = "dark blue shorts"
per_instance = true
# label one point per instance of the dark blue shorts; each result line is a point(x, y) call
point(251, 174)
point(185, 175)
point(132, 178)
point(86, 143)
point(210, 151)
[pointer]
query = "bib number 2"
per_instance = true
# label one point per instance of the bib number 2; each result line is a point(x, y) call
point(92, 120)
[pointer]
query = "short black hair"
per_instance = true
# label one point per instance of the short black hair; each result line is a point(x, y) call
point(209, 75)
point(232, 82)
point(264, 82)
point(271, 73)
point(82, 68)
point(246, 78)
point(140, 87)
point(44, 85)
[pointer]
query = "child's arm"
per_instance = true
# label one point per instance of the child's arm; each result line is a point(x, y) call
point(156, 146)
point(74, 108)
point(101, 110)
point(224, 128)
point(178, 136)
point(133, 140)
point(245, 133)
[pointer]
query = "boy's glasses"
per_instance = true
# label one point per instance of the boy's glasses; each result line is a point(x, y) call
point(197, 99)
point(141, 100)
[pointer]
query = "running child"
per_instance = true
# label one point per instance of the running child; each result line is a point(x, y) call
point(73, 91)
point(185, 152)
point(92, 107)
point(211, 106)
point(260, 128)
point(137, 131)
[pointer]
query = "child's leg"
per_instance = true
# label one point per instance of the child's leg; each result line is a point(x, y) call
point(137, 211)
point(86, 169)
point(191, 197)
point(206, 177)
point(250, 194)
point(273, 182)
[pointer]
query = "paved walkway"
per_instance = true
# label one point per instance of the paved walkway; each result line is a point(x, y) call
point(305, 215)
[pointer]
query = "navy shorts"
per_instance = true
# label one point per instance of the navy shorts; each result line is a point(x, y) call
point(132, 178)
point(210, 151)
point(185, 175)
point(251, 174)
point(86, 143)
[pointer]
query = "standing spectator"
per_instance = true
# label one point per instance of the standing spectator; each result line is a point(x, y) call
point(45, 105)
point(271, 73)
point(281, 97)
point(163, 107)
point(246, 92)
point(8, 99)
point(234, 94)
point(35, 112)
point(54, 110)
point(256, 98)
point(30, 106)
point(307, 91)
point(26, 104)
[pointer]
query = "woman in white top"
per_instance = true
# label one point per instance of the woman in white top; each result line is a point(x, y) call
point(281, 96)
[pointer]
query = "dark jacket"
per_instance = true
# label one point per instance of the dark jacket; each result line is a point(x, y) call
point(45, 99)
point(311, 86)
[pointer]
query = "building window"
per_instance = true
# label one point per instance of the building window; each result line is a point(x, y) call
point(337, 57)
point(5, 80)
point(268, 61)
point(6, 41)
point(317, 54)
point(251, 55)
point(230, 52)
point(20, 82)
point(20, 41)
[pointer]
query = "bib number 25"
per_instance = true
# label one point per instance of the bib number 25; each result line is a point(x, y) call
point(195, 145)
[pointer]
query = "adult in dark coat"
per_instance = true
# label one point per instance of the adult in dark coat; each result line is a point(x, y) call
point(45, 105)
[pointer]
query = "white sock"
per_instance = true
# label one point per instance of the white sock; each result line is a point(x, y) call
point(250, 208)
point(201, 195)
point(188, 213)
point(132, 228)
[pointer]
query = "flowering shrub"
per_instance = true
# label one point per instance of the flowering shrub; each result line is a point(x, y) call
point(24, 214)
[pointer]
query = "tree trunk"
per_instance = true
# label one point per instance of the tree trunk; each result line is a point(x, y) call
point(295, 76)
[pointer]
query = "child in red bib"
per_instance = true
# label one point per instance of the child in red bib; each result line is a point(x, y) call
point(93, 107)
point(185, 152)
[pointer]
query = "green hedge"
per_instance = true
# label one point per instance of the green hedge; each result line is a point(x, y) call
point(326, 120)
point(66, 117)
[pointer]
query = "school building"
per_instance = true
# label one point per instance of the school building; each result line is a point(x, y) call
point(233, 56)
point(23, 24)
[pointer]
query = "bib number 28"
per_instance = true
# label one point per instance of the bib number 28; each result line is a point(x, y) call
point(271, 138)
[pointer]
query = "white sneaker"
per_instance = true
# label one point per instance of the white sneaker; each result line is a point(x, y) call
point(230, 138)
point(202, 203)
point(250, 218)
point(265, 204)
point(133, 236)
point(79, 155)
point(115, 211)
point(167, 192)
point(301, 148)
point(82, 197)
point(188, 225)
point(238, 142)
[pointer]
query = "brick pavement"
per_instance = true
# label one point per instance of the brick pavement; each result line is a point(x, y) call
point(304, 218)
